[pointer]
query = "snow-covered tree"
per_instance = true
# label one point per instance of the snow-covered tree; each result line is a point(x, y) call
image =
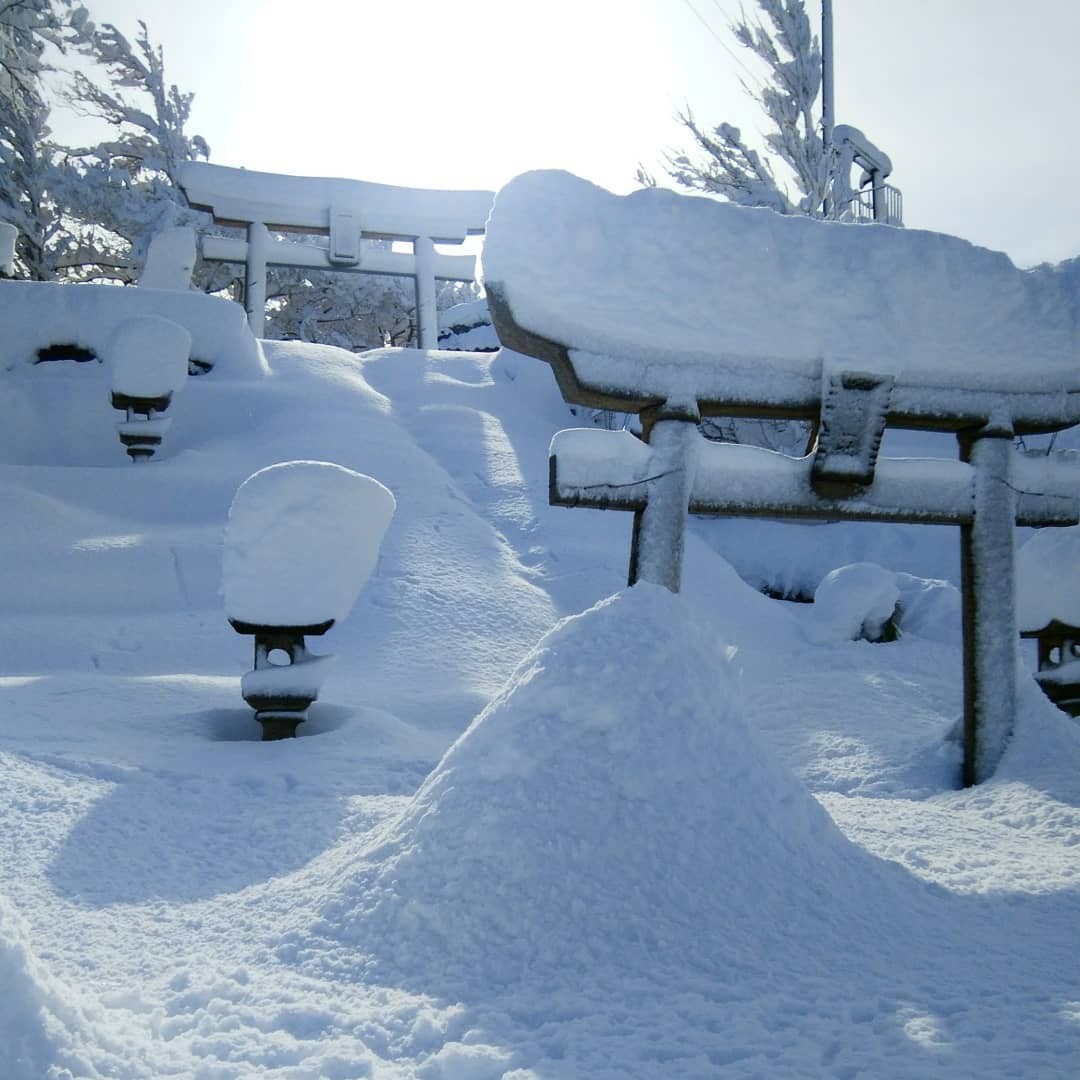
point(352, 311)
point(730, 166)
point(124, 189)
point(27, 29)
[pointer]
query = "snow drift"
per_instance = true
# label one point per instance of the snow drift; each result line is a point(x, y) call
point(609, 809)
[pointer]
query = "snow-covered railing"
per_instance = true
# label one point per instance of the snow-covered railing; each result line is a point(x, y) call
point(874, 200)
point(346, 211)
point(883, 204)
point(677, 308)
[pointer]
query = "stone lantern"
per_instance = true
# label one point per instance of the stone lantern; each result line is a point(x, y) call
point(1048, 611)
point(149, 360)
point(301, 540)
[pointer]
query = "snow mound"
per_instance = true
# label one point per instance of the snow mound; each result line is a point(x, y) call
point(36, 1037)
point(854, 602)
point(608, 809)
point(301, 540)
point(929, 608)
point(1048, 579)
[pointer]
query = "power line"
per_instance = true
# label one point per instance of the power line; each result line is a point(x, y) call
point(756, 79)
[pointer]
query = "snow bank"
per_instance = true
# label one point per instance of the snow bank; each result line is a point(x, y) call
point(608, 808)
point(1048, 579)
point(301, 540)
point(37, 1040)
point(35, 315)
point(673, 282)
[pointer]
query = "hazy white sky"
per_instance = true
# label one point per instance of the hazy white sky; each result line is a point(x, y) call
point(974, 100)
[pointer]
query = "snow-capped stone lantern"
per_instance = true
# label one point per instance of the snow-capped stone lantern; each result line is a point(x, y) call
point(149, 357)
point(301, 540)
point(1048, 610)
point(8, 235)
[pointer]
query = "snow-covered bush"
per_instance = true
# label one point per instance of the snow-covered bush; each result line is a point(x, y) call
point(467, 328)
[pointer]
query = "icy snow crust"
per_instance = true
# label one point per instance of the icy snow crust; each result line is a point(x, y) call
point(653, 288)
point(623, 868)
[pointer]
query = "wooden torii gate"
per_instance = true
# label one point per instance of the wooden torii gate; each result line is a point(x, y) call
point(675, 471)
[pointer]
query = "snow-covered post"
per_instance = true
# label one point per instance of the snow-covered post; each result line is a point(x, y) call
point(988, 580)
point(656, 551)
point(258, 251)
point(301, 540)
point(8, 235)
point(427, 316)
point(149, 357)
point(170, 259)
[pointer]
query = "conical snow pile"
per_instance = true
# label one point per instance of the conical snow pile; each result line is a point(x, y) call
point(608, 807)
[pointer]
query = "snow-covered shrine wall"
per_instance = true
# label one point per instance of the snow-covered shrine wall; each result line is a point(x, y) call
point(347, 211)
point(676, 307)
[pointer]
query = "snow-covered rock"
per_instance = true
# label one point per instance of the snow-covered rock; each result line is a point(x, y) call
point(854, 602)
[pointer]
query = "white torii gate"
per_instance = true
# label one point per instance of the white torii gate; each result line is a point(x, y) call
point(347, 211)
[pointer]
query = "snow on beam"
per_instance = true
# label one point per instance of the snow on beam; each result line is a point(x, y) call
point(657, 296)
point(613, 470)
point(733, 386)
point(241, 196)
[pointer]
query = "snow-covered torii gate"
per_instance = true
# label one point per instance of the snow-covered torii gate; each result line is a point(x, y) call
point(675, 307)
point(348, 211)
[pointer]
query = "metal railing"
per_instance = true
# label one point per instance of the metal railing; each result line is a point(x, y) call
point(890, 204)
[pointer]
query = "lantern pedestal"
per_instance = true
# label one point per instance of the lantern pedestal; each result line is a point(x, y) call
point(282, 692)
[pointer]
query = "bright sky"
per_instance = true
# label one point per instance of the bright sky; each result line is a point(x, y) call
point(974, 100)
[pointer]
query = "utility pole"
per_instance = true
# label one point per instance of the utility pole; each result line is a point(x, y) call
point(828, 117)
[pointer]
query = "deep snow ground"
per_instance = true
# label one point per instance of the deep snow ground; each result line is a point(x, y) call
point(659, 851)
